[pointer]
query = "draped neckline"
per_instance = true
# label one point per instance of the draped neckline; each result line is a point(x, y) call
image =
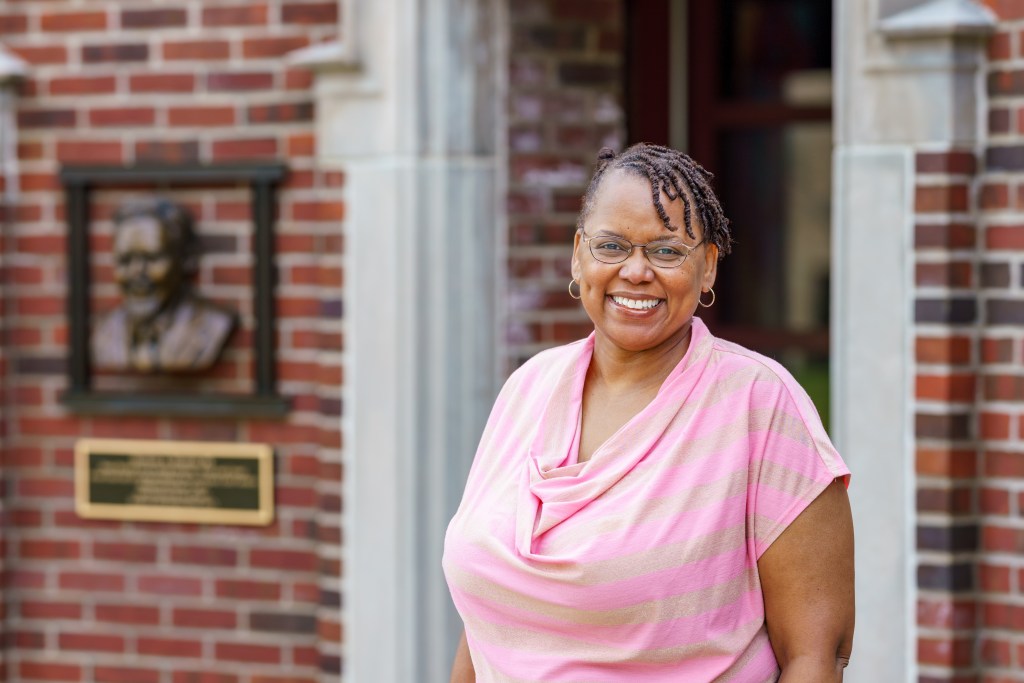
point(554, 486)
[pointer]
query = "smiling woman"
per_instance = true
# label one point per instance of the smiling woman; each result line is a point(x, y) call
point(652, 503)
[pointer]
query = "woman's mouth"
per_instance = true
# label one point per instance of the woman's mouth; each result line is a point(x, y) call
point(636, 304)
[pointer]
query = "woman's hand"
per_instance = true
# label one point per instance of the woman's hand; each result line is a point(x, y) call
point(462, 667)
point(807, 579)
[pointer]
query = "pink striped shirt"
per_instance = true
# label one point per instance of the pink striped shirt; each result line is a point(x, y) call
point(639, 564)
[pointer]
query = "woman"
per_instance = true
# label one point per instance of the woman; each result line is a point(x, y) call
point(652, 503)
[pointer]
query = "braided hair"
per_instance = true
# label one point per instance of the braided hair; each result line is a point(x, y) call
point(677, 176)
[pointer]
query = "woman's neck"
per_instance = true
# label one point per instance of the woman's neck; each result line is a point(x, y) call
point(616, 368)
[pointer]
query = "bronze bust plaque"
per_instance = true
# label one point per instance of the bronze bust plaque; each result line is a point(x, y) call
point(161, 324)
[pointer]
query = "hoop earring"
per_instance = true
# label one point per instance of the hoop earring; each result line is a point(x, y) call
point(577, 296)
point(710, 303)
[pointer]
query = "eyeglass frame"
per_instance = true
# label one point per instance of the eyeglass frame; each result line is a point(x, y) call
point(632, 246)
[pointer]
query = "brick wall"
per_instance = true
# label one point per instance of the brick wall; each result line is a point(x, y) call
point(945, 314)
point(1000, 395)
point(118, 82)
point(565, 79)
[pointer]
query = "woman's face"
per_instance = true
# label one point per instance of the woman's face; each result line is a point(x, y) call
point(634, 305)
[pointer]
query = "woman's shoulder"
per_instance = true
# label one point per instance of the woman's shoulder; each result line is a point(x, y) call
point(767, 374)
point(548, 362)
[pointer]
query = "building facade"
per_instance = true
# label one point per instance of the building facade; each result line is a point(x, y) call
point(435, 154)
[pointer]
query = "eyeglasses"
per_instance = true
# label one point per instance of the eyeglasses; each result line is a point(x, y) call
point(661, 253)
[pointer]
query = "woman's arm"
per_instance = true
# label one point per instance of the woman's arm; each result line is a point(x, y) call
point(462, 667)
point(807, 579)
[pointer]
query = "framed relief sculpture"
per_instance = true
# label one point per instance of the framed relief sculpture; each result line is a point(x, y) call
point(161, 332)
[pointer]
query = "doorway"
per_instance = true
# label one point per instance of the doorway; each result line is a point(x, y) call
point(744, 86)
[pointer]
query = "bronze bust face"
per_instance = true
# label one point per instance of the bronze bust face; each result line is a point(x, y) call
point(161, 324)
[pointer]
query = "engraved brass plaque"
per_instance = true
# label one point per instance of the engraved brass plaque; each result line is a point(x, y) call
point(174, 481)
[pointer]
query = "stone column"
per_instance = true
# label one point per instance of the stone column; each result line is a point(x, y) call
point(907, 82)
point(413, 116)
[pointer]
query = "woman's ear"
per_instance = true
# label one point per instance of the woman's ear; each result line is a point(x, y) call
point(710, 265)
point(576, 265)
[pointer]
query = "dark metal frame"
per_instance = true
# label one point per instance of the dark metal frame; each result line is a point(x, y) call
point(79, 182)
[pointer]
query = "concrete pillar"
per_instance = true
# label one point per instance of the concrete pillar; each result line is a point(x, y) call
point(412, 114)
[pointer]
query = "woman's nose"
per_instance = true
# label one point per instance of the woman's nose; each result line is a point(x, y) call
point(636, 268)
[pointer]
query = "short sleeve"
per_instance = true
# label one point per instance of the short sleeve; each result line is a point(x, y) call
point(792, 460)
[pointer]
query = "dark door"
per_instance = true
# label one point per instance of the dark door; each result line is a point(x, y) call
point(758, 115)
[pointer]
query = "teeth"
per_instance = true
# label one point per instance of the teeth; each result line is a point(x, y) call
point(637, 304)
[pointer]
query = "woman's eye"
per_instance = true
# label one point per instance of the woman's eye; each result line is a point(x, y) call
point(610, 246)
point(666, 251)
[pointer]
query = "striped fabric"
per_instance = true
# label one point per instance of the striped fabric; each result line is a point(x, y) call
point(641, 563)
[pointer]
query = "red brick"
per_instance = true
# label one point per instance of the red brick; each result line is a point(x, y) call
point(290, 112)
point(1005, 237)
point(999, 46)
point(946, 350)
point(13, 23)
point(944, 236)
point(41, 54)
point(947, 163)
point(29, 640)
point(92, 581)
point(31, 182)
point(162, 82)
point(201, 116)
point(210, 556)
point(199, 50)
point(1007, 9)
point(90, 152)
point(167, 151)
point(947, 651)
point(298, 79)
point(243, 589)
point(153, 18)
point(39, 305)
point(1004, 387)
point(325, 12)
point(170, 585)
point(239, 81)
point(170, 647)
point(940, 199)
point(204, 618)
point(123, 116)
point(74, 21)
point(122, 53)
point(998, 615)
point(37, 609)
point(957, 388)
point(995, 196)
point(995, 653)
point(120, 674)
point(124, 552)
point(253, 148)
point(235, 15)
point(993, 578)
point(300, 145)
point(994, 501)
point(83, 85)
point(128, 614)
point(49, 671)
point(39, 549)
point(265, 48)
point(250, 654)
point(288, 560)
point(318, 211)
point(91, 642)
point(994, 426)
point(203, 677)
point(1002, 539)
point(996, 350)
point(46, 487)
